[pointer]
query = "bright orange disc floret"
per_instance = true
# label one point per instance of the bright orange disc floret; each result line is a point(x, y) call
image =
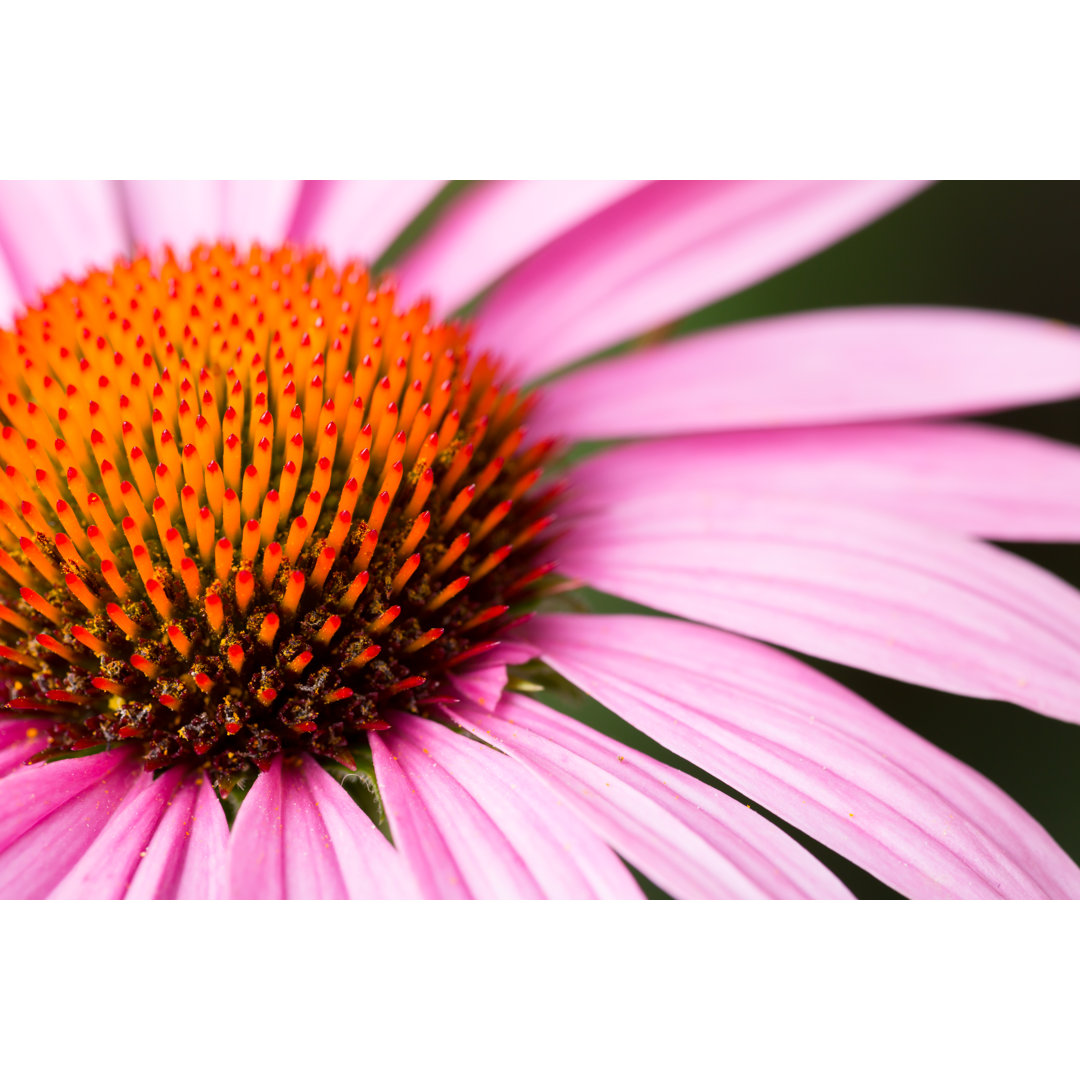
point(245, 501)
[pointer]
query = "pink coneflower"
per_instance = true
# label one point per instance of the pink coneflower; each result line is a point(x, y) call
point(272, 527)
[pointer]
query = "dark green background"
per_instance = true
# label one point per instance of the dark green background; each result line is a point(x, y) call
point(1010, 246)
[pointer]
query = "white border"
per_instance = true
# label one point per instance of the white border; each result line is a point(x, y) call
point(567, 87)
point(540, 990)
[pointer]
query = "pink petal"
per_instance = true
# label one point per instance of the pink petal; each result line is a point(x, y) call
point(813, 753)
point(359, 218)
point(691, 839)
point(10, 301)
point(820, 367)
point(416, 831)
point(155, 821)
point(484, 679)
point(965, 478)
point(663, 252)
point(861, 588)
point(180, 213)
point(495, 225)
point(186, 858)
point(18, 745)
point(50, 229)
point(50, 814)
point(299, 836)
point(260, 210)
point(497, 830)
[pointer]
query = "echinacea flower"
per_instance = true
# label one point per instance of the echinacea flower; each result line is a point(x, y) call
point(271, 527)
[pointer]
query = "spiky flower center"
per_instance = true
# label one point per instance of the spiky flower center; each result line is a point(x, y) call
point(244, 502)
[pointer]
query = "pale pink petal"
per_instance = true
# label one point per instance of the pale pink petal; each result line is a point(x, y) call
point(180, 213)
point(299, 836)
point(10, 301)
point(966, 478)
point(692, 840)
point(186, 857)
point(663, 252)
point(51, 229)
point(20, 740)
point(813, 753)
point(819, 367)
point(359, 218)
point(865, 589)
point(51, 813)
point(494, 226)
point(259, 210)
point(131, 835)
point(506, 834)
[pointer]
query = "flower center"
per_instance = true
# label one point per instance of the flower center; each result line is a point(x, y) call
point(246, 501)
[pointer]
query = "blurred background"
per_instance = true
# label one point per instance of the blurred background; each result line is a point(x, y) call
point(1009, 246)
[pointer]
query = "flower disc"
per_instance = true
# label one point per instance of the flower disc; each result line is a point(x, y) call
point(245, 501)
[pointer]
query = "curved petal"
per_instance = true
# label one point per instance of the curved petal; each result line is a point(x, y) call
point(259, 210)
point(180, 213)
point(692, 840)
point(965, 478)
point(663, 252)
point(51, 813)
point(483, 679)
point(55, 228)
point(494, 226)
point(298, 836)
point(860, 588)
point(359, 218)
point(820, 367)
point(506, 835)
point(813, 753)
point(155, 827)
point(186, 856)
point(20, 740)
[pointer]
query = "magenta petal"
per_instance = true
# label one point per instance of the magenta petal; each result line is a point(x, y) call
point(50, 814)
point(495, 225)
point(813, 753)
point(17, 745)
point(415, 830)
point(663, 252)
point(689, 838)
point(359, 218)
point(966, 478)
point(865, 589)
point(106, 868)
point(186, 856)
point(820, 367)
point(50, 229)
point(472, 822)
point(299, 836)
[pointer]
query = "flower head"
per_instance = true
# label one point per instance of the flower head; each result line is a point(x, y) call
point(250, 505)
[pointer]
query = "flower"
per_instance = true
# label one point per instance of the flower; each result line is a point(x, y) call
point(271, 528)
